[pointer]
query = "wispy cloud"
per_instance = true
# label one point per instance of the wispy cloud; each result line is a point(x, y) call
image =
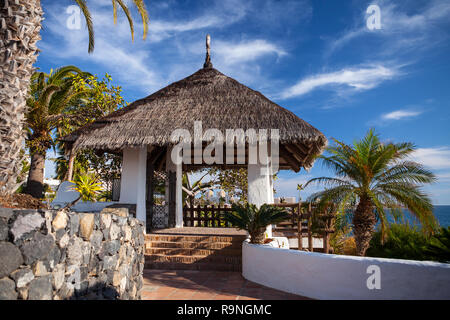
point(232, 53)
point(356, 79)
point(400, 114)
point(435, 158)
point(400, 31)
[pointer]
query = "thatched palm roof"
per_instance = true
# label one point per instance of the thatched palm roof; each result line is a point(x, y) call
point(209, 96)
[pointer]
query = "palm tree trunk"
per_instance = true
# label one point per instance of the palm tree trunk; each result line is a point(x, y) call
point(20, 25)
point(35, 182)
point(69, 173)
point(364, 221)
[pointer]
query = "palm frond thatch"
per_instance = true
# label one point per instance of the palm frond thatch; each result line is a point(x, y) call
point(220, 102)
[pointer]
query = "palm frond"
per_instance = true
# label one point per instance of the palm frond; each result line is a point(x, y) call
point(90, 26)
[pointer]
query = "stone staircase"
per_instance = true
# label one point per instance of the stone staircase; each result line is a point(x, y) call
point(194, 252)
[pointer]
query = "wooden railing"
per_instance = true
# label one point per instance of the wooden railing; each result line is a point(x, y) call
point(301, 217)
point(209, 216)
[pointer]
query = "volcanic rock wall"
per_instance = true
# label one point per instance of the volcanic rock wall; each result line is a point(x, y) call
point(50, 254)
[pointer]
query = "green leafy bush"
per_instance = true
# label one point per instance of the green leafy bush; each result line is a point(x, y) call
point(409, 242)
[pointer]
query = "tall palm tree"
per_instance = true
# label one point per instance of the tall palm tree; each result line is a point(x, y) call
point(20, 25)
point(51, 95)
point(378, 179)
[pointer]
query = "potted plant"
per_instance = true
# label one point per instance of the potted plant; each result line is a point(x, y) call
point(248, 217)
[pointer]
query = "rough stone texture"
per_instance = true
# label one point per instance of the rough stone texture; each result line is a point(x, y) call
point(6, 213)
point(71, 255)
point(3, 229)
point(40, 269)
point(74, 251)
point(7, 289)
point(64, 241)
point(86, 226)
point(121, 212)
point(11, 258)
point(60, 221)
point(114, 232)
point(25, 224)
point(74, 224)
point(22, 277)
point(41, 289)
point(105, 220)
point(37, 248)
point(58, 276)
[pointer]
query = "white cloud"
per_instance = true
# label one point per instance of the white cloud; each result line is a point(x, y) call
point(232, 53)
point(358, 79)
point(400, 114)
point(400, 31)
point(434, 158)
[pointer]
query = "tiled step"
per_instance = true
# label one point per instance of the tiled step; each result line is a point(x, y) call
point(201, 239)
point(193, 245)
point(193, 259)
point(192, 252)
point(193, 266)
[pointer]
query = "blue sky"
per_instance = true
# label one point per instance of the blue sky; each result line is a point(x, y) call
point(315, 58)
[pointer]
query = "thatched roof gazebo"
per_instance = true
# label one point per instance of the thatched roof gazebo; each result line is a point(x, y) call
point(143, 130)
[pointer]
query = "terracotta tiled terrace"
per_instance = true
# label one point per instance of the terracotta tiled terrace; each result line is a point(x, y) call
point(206, 285)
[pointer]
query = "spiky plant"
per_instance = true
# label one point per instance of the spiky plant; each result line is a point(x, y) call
point(248, 217)
point(379, 179)
point(88, 186)
point(20, 25)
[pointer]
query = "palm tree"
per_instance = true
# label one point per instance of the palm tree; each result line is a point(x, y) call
point(50, 96)
point(20, 25)
point(248, 217)
point(378, 179)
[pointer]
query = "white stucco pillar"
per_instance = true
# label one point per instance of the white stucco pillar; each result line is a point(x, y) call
point(173, 165)
point(133, 179)
point(260, 187)
point(179, 197)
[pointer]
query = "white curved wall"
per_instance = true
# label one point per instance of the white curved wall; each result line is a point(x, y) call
point(328, 276)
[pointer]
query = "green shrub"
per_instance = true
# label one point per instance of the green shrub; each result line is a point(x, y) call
point(409, 242)
point(403, 242)
point(438, 248)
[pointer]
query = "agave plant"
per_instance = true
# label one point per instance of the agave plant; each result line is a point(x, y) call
point(88, 186)
point(248, 217)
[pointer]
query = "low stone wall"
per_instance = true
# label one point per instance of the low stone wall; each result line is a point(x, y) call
point(50, 254)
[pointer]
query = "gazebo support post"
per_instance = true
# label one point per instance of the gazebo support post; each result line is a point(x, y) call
point(178, 169)
point(133, 179)
point(141, 211)
point(260, 187)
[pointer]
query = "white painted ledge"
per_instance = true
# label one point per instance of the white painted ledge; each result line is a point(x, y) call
point(329, 276)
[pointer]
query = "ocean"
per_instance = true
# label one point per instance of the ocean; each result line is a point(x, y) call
point(442, 214)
